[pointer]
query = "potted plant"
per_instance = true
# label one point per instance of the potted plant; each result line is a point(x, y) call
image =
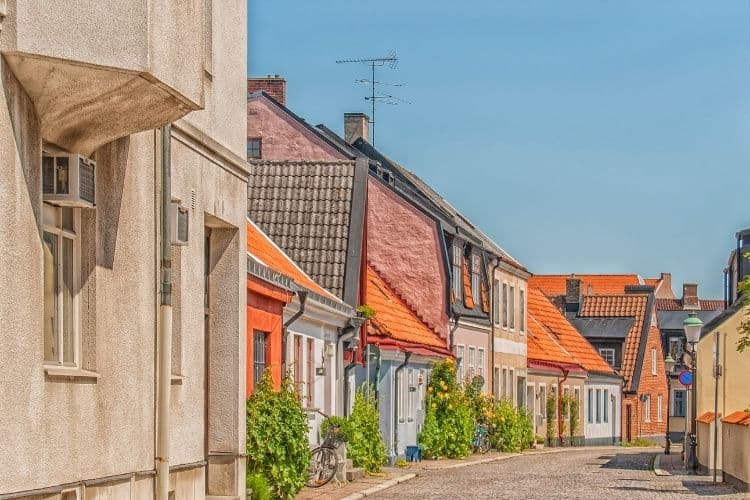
point(538, 442)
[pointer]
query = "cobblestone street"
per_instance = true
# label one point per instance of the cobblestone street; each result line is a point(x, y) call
point(596, 474)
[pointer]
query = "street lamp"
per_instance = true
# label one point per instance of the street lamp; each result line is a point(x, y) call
point(669, 363)
point(692, 326)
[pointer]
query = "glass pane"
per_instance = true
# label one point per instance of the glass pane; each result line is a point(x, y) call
point(67, 218)
point(67, 300)
point(50, 297)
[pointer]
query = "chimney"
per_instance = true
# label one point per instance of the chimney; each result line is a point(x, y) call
point(273, 85)
point(572, 293)
point(690, 296)
point(356, 125)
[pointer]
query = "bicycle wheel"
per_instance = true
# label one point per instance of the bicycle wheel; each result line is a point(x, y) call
point(484, 444)
point(322, 467)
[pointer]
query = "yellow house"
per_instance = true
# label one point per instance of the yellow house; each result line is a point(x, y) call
point(727, 394)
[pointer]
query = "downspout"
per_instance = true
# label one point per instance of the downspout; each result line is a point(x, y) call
point(302, 296)
point(560, 383)
point(343, 371)
point(456, 318)
point(400, 367)
point(165, 321)
point(493, 315)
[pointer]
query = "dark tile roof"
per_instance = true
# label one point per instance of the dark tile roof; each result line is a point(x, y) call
point(305, 208)
point(595, 328)
point(672, 320)
point(676, 305)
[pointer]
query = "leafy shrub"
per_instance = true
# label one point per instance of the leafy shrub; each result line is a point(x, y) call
point(401, 463)
point(551, 412)
point(365, 443)
point(449, 418)
point(258, 486)
point(573, 417)
point(512, 428)
point(638, 443)
point(277, 444)
point(482, 405)
point(334, 421)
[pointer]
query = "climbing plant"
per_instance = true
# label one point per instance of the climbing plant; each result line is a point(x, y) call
point(551, 412)
point(277, 443)
point(362, 430)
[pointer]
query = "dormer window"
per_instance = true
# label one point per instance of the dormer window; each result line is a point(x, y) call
point(476, 278)
point(456, 262)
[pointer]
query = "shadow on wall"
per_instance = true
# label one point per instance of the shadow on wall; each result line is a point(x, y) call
point(111, 170)
point(26, 133)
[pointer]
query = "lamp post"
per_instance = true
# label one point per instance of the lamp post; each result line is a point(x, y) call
point(669, 363)
point(692, 326)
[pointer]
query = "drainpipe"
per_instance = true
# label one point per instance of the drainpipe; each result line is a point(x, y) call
point(343, 371)
point(560, 383)
point(302, 296)
point(493, 313)
point(400, 367)
point(456, 317)
point(165, 321)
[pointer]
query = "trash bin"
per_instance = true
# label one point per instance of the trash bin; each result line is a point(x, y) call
point(413, 453)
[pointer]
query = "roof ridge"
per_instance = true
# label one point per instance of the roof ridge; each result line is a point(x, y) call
point(403, 299)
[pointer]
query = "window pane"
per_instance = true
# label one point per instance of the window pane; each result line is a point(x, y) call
point(50, 297)
point(67, 219)
point(505, 305)
point(512, 307)
point(67, 300)
point(522, 310)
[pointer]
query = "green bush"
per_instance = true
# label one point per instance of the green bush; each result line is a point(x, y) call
point(511, 428)
point(638, 443)
point(573, 417)
point(365, 443)
point(551, 417)
point(277, 443)
point(449, 420)
point(334, 421)
point(258, 486)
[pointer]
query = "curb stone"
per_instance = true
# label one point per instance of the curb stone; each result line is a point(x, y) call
point(657, 467)
point(380, 487)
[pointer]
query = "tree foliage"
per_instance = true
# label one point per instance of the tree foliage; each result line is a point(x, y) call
point(362, 430)
point(744, 329)
point(277, 443)
point(449, 419)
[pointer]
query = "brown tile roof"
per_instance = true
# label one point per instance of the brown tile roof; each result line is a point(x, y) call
point(619, 306)
point(676, 305)
point(544, 312)
point(554, 284)
point(738, 418)
point(394, 321)
point(305, 208)
point(707, 417)
point(264, 250)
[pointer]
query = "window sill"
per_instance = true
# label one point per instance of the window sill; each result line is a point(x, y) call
point(70, 372)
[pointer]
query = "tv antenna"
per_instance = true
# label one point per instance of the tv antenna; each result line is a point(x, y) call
point(376, 62)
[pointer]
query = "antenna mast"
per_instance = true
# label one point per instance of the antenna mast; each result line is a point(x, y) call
point(373, 62)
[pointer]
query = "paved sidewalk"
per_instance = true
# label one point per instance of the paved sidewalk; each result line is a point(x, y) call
point(390, 476)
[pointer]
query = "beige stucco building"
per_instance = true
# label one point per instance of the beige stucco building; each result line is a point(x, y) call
point(510, 329)
point(81, 271)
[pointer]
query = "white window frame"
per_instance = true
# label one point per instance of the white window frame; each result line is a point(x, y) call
point(400, 379)
point(410, 396)
point(659, 410)
point(457, 266)
point(521, 310)
point(598, 406)
point(603, 351)
point(647, 408)
point(470, 366)
point(460, 351)
point(543, 400)
point(496, 302)
point(605, 406)
point(512, 309)
point(511, 384)
point(653, 361)
point(505, 305)
point(590, 406)
point(476, 278)
point(480, 362)
point(57, 230)
point(672, 411)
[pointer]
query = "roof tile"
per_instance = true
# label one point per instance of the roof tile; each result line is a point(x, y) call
point(554, 284)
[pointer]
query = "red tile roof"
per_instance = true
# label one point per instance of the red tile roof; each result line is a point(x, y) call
point(676, 305)
point(260, 246)
point(394, 319)
point(707, 417)
point(621, 306)
point(554, 284)
point(738, 418)
point(544, 312)
point(541, 346)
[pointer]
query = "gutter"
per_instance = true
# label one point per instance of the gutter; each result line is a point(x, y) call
point(302, 295)
point(400, 367)
point(164, 366)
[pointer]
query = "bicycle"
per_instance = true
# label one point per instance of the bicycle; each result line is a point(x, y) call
point(324, 461)
point(480, 443)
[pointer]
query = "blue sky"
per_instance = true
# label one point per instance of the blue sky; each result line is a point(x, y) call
point(587, 136)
